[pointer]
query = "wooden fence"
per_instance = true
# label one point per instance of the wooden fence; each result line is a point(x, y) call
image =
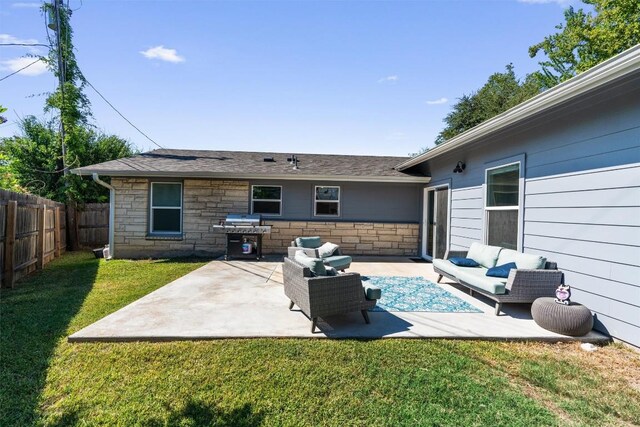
point(93, 225)
point(33, 232)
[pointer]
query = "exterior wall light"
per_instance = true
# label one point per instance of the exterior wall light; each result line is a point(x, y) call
point(460, 167)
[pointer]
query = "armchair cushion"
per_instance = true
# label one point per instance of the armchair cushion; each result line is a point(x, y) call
point(315, 265)
point(308, 242)
point(371, 291)
point(327, 249)
point(339, 262)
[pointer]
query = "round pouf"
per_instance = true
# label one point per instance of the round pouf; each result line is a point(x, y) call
point(573, 319)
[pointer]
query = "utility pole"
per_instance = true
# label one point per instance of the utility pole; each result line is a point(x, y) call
point(71, 225)
point(57, 4)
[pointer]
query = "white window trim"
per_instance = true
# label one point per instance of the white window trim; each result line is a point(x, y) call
point(315, 201)
point(518, 207)
point(267, 200)
point(151, 208)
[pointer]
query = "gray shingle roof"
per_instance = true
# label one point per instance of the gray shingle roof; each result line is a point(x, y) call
point(244, 164)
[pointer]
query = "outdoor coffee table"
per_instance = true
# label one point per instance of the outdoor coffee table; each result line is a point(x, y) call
point(573, 319)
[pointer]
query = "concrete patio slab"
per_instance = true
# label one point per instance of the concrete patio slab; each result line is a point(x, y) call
point(240, 299)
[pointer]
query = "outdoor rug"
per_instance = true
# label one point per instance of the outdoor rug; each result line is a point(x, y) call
point(416, 294)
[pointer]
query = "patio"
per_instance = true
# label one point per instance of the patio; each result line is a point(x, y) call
point(232, 299)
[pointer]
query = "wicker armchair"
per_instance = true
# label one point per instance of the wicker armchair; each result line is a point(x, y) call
point(324, 296)
point(523, 286)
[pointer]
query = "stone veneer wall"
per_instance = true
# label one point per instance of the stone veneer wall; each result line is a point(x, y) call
point(354, 238)
point(205, 203)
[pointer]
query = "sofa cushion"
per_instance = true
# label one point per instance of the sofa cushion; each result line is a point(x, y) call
point(477, 277)
point(446, 266)
point(327, 249)
point(463, 262)
point(331, 271)
point(371, 291)
point(530, 261)
point(315, 265)
point(308, 242)
point(501, 270)
point(485, 255)
point(339, 262)
point(506, 256)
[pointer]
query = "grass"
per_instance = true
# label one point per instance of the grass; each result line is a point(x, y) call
point(46, 381)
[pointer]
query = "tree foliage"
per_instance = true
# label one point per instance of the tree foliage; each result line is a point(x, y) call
point(501, 92)
point(33, 162)
point(585, 39)
point(34, 166)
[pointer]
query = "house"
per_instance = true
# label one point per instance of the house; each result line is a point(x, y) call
point(165, 202)
point(558, 174)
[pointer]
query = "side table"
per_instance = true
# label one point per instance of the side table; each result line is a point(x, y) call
point(574, 319)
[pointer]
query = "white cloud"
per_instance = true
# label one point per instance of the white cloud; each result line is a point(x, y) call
point(8, 38)
point(389, 79)
point(13, 65)
point(26, 5)
point(163, 54)
point(439, 101)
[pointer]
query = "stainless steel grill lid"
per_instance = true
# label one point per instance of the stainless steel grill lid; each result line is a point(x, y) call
point(241, 219)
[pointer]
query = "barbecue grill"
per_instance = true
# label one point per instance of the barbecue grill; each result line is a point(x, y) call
point(244, 235)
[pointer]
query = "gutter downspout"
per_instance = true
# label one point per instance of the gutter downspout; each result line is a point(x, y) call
point(112, 206)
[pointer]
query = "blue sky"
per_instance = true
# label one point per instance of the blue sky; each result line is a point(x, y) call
point(352, 77)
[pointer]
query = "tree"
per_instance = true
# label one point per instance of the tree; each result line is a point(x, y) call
point(585, 39)
point(32, 161)
point(501, 92)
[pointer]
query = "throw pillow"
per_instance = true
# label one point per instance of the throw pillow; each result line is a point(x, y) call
point(463, 262)
point(308, 242)
point(315, 265)
point(327, 249)
point(331, 271)
point(501, 270)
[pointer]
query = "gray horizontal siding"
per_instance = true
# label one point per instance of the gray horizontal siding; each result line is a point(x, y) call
point(582, 197)
point(594, 232)
point(589, 222)
point(359, 201)
point(466, 217)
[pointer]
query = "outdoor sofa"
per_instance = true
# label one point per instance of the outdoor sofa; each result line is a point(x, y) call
point(312, 247)
point(533, 278)
point(320, 296)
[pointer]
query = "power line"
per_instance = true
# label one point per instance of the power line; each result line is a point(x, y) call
point(17, 71)
point(121, 115)
point(24, 44)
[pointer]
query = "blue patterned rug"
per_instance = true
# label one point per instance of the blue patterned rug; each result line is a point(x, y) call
point(416, 294)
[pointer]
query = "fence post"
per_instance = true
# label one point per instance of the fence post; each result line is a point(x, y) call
point(72, 225)
point(56, 232)
point(42, 223)
point(9, 244)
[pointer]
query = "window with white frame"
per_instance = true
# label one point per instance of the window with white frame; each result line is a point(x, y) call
point(166, 208)
point(502, 205)
point(266, 199)
point(327, 201)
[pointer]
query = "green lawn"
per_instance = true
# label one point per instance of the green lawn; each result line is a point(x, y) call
point(46, 381)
